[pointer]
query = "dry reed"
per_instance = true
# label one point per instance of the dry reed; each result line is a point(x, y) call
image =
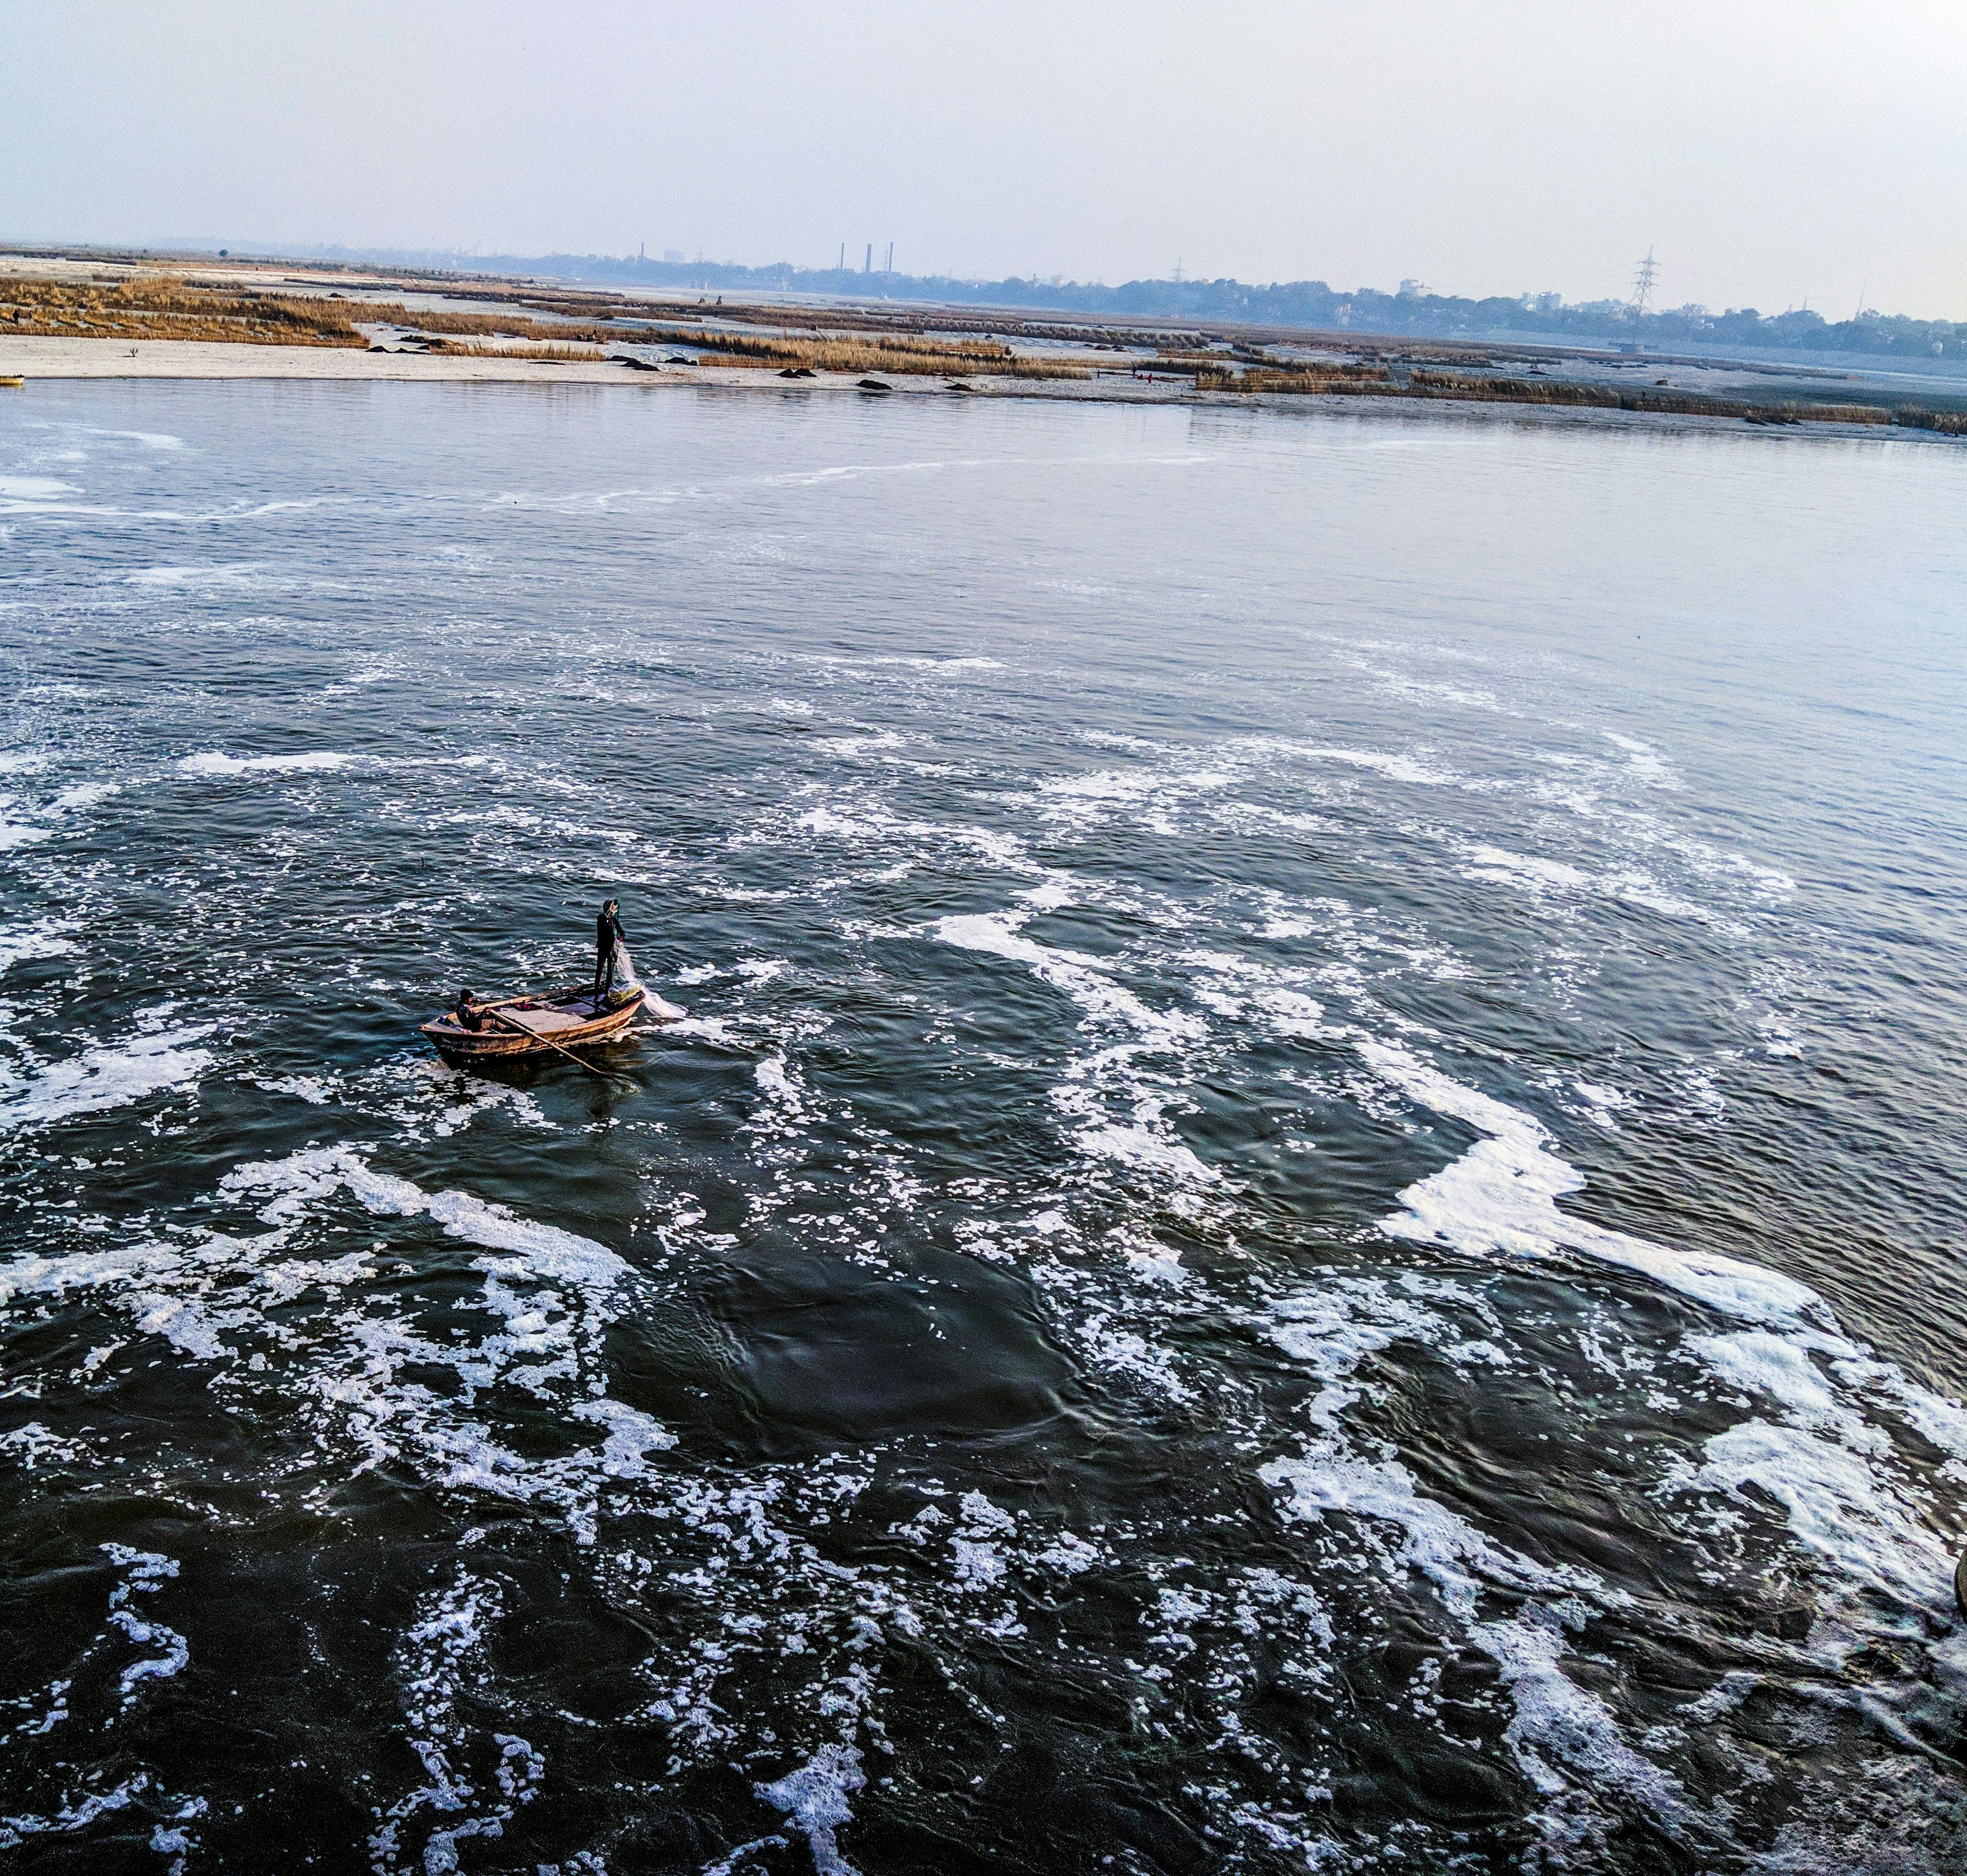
point(159, 308)
point(898, 357)
point(1367, 382)
point(535, 354)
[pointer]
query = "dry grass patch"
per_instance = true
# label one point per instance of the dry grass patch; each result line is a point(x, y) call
point(896, 355)
point(1309, 380)
point(1375, 381)
point(163, 308)
point(215, 311)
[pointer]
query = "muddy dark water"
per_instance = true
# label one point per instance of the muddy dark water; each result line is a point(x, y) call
point(1309, 1215)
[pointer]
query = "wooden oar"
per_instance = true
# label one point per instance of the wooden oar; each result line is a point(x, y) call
point(513, 1023)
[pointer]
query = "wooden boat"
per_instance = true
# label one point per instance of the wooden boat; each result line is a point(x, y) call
point(10, 383)
point(544, 1023)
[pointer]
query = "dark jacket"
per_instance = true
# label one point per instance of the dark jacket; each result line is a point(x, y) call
point(607, 933)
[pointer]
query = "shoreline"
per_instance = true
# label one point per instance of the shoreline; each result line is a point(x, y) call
point(42, 360)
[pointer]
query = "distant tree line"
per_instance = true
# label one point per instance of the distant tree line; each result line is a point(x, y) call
point(1310, 304)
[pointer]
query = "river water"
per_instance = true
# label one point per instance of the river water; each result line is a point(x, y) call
point(1309, 1215)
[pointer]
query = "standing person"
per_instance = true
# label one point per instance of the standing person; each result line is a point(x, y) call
point(610, 951)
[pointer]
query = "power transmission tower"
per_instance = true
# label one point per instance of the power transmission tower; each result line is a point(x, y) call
point(1642, 286)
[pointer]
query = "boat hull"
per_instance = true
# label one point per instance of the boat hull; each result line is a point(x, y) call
point(498, 1043)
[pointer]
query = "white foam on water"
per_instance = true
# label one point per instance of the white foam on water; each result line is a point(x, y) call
point(47, 937)
point(35, 489)
point(875, 742)
point(1069, 1554)
point(16, 1830)
point(1780, 1367)
point(146, 1573)
point(1940, 1422)
point(786, 1104)
point(1557, 1720)
point(1154, 1265)
point(1602, 1101)
point(712, 1029)
point(1333, 1330)
point(1130, 787)
point(1836, 1506)
point(309, 1088)
point(1558, 1732)
point(83, 795)
point(1539, 877)
point(214, 762)
point(32, 1446)
point(871, 822)
point(463, 1098)
point(974, 663)
point(1498, 864)
point(540, 1251)
point(1142, 1137)
point(1822, 1466)
point(999, 933)
point(981, 1518)
point(150, 439)
point(106, 1076)
point(814, 1799)
point(1146, 1143)
point(1646, 763)
point(724, 1865)
point(978, 1565)
point(439, 1655)
point(1403, 684)
point(632, 1436)
point(1501, 1198)
point(1292, 1013)
point(241, 574)
point(34, 1273)
point(553, 1291)
point(1127, 1352)
point(1438, 1543)
point(15, 834)
point(1394, 767)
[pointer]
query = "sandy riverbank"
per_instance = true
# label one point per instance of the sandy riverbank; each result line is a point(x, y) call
point(50, 359)
point(33, 358)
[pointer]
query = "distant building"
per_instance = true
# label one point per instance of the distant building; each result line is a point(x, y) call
point(672, 257)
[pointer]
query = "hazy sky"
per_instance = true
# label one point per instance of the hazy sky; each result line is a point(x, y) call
point(1773, 153)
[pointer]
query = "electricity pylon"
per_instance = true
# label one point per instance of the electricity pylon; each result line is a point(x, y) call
point(1642, 286)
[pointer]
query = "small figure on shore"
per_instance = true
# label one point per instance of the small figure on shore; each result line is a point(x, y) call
point(612, 961)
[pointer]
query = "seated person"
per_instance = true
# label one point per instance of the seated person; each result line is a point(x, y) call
point(469, 1012)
